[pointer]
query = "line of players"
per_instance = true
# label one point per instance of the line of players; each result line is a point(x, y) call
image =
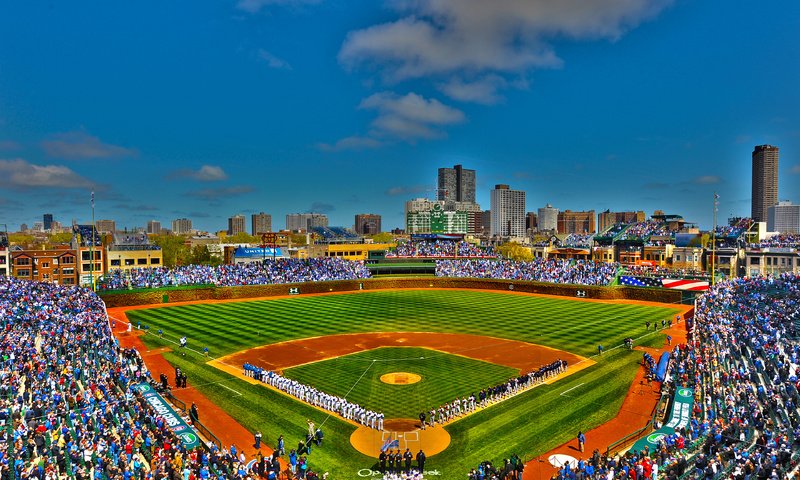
point(317, 398)
point(487, 396)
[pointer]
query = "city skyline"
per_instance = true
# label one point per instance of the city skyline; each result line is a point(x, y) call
point(592, 112)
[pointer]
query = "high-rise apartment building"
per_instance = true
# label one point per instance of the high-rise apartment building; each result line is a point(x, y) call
point(236, 225)
point(531, 221)
point(106, 226)
point(456, 184)
point(47, 221)
point(547, 219)
point(305, 221)
point(576, 222)
point(181, 226)
point(261, 223)
point(154, 227)
point(508, 212)
point(609, 218)
point(765, 181)
point(368, 224)
point(784, 218)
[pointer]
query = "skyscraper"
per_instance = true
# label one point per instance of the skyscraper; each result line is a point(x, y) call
point(548, 218)
point(576, 222)
point(508, 212)
point(765, 181)
point(154, 226)
point(368, 224)
point(456, 184)
point(236, 224)
point(305, 221)
point(181, 226)
point(261, 223)
point(47, 220)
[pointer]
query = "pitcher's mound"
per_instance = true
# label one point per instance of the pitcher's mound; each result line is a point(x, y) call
point(400, 378)
point(400, 434)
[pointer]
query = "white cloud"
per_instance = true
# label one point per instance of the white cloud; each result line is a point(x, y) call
point(19, 173)
point(482, 90)
point(80, 145)
point(206, 173)
point(407, 117)
point(450, 38)
point(255, 6)
point(273, 61)
point(707, 180)
point(351, 143)
point(410, 116)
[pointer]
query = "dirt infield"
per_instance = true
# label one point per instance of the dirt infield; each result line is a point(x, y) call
point(432, 440)
point(522, 356)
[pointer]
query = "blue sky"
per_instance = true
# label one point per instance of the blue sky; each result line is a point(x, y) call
point(209, 109)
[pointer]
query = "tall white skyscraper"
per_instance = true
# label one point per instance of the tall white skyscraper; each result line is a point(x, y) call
point(508, 212)
point(547, 218)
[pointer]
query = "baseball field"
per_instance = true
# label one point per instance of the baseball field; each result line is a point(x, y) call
point(456, 342)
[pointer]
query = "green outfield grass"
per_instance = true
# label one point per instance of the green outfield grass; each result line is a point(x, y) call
point(528, 424)
point(444, 377)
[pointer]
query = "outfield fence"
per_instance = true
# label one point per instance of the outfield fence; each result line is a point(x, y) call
point(156, 296)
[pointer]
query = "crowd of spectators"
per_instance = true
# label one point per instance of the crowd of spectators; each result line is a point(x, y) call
point(580, 272)
point(440, 249)
point(576, 240)
point(283, 270)
point(645, 230)
point(734, 230)
point(68, 400)
point(312, 396)
point(613, 231)
point(784, 240)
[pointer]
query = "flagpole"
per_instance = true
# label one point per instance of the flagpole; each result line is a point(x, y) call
point(714, 242)
point(91, 248)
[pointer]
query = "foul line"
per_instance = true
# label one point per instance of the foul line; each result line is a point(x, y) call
point(229, 388)
point(573, 388)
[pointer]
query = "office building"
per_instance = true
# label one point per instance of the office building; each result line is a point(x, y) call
point(508, 212)
point(260, 223)
point(783, 218)
point(608, 218)
point(106, 226)
point(47, 221)
point(765, 181)
point(576, 222)
point(181, 226)
point(368, 224)
point(531, 221)
point(547, 219)
point(154, 227)
point(456, 184)
point(305, 221)
point(236, 225)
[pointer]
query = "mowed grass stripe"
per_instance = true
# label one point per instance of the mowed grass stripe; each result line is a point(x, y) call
point(444, 378)
point(570, 325)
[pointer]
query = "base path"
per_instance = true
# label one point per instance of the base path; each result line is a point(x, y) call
point(229, 431)
point(635, 412)
point(522, 356)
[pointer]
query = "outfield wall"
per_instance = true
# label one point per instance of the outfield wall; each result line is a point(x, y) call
point(171, 295)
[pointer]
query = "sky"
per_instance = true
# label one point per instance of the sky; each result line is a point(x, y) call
point(207, 109)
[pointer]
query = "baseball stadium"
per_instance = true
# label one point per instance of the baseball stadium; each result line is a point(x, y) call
point(488, 368)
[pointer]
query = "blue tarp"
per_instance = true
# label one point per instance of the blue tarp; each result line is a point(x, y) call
point(661, 369)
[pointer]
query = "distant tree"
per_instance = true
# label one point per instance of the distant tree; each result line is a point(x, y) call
point(515, 251)
point(59, 239)
point(383, 237)
point(22, 239)
point(173, 249)
point(242, 237)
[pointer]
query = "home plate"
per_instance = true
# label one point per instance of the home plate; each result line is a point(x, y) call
point(558, 460)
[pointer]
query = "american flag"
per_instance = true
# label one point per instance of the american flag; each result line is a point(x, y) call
point(640, 281)
point(682, 284)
